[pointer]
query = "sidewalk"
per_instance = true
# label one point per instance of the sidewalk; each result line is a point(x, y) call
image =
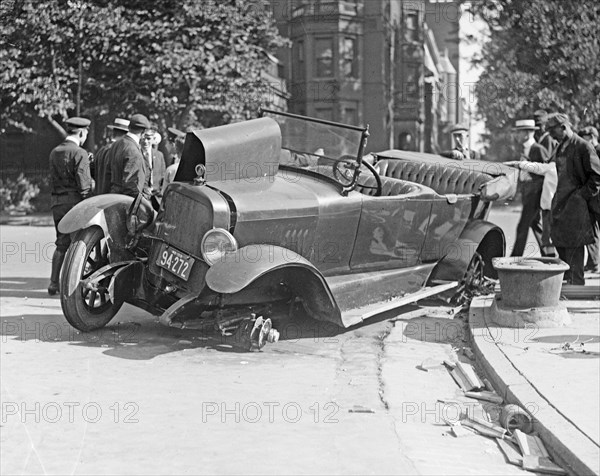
point(558, 386)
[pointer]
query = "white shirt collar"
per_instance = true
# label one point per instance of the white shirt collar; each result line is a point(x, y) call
point(529, 142)
point(135, 137)
point(73, 139)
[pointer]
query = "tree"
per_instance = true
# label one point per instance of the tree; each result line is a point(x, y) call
point(180, 62)
point(540, 54)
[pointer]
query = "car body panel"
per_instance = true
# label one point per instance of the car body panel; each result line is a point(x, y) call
point(109, 212)
point(244, 150)
point(303, 230)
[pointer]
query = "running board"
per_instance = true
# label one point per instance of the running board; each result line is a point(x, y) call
point(358, 315)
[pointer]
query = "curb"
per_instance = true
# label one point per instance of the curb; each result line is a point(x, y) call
point(569, 447)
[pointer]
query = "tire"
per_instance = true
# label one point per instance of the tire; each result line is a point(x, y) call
point(513, 417)
point(87, 253)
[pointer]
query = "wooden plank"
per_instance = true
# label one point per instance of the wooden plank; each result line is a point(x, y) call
point(485, 396)
point(469, 374)
point(460, 380)
point(522, 442)
point(510, 451)
point(531, 444)
point(541, 464)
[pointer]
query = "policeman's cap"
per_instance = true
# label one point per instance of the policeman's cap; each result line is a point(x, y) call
point(77, 123)
point(175, 132)
point(557, 119)
point(458, 128)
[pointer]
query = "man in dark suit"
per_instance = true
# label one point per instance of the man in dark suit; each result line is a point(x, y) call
point(102, 170)
point(130, 173)
point(578, 170)
point(460, 139)
point(168, 146)
point(590, 134)
point(70, 182)
point(530, 186)
point(541, 135)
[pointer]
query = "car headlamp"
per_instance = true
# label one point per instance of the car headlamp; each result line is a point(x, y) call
point(216, 243)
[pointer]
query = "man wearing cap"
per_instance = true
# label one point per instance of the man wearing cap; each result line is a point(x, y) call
point(130, 173)
point(531, 186)
point(590, 133)
point(102, 169)
point(169, 146)
point(541, 135)
point(460, 139)
point(70, 182)
point(578, 170)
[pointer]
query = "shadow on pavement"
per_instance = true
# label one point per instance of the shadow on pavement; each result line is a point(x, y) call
point(24, 287)
point(132, 334)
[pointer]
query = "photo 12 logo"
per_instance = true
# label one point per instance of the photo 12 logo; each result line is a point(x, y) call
point(70, 412)
point(271, 412)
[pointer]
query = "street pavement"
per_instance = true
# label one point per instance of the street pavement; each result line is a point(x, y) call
point(138, 398)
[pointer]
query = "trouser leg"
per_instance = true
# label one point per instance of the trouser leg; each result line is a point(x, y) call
point(574, 258)
point(62, 245)
point(530, 218)
point(594, 252)
point(57, 260)
point(546, 241)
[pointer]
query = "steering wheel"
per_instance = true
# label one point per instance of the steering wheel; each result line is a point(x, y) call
point(343, 171)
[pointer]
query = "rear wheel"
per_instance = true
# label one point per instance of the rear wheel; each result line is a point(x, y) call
point(86, 309)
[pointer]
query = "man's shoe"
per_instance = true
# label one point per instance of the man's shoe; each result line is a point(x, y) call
point(53, 289)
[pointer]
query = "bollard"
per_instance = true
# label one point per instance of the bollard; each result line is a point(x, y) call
point(529, 292)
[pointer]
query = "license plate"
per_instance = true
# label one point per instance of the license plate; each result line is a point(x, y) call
point(175, 262)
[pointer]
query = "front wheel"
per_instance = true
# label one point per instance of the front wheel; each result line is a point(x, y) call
point(86, 309)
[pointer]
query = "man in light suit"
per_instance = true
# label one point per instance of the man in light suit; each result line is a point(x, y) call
point(130, 173)
point(531, 188)
point(155, 160)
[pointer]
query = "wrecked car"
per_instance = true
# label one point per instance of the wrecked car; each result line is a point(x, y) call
point(276, 211)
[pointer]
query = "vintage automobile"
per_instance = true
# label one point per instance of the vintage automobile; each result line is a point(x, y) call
point(275, 211)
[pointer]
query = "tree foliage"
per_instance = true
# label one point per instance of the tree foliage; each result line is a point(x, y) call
point(181, 62)
point(540, 54)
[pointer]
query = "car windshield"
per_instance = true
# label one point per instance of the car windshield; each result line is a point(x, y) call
point(316, 144)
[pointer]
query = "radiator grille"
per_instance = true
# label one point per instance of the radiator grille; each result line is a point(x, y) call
point(184, 222)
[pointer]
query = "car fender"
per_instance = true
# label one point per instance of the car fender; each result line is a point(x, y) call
point(478, 236)
point(238, 270)
point(109, 212)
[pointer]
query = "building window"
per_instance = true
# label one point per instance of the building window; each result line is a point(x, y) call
point(324, 57)
point(349, 115)
point(349, 58)
point(300, 65)
point(412, 26)
point(411, 84)
point(325, 113)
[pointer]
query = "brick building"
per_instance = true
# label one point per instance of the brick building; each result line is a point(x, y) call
point(391, 64)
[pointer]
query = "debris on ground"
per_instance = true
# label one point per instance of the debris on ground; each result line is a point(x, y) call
point(513, 417)
point(449, 364)
point(430, 364)
point(458, 430)
point(535, 455)
point(466, 378)
point(486, 396)
point(360, 409)
point(571, 346)
point(511, 451)
point(468, 353)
